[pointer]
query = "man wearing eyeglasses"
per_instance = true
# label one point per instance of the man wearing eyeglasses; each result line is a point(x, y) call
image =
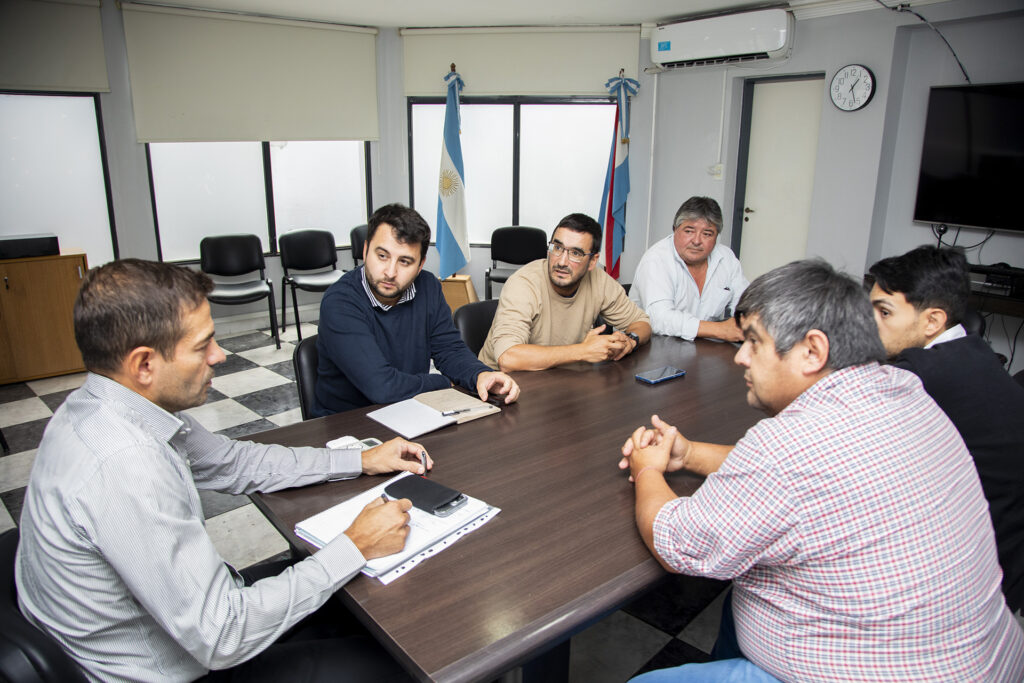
point(688, 283)
point(548, 308)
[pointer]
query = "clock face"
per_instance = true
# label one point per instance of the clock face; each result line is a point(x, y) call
point(852, 87)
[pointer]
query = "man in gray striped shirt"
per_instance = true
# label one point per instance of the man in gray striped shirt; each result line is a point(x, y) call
point(114, 560)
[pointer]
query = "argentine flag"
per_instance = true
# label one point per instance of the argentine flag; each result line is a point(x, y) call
point(452, 235)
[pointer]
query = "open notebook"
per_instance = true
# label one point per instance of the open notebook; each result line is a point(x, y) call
point(426, 412)
point(428, 534)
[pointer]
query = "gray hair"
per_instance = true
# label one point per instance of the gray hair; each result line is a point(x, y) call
point(698, 208)
point(811, 295)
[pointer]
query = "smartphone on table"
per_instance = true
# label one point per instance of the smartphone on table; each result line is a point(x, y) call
point(427, 495)
point(658, 375)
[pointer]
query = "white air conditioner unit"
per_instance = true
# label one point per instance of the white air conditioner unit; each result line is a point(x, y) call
point(747, 36)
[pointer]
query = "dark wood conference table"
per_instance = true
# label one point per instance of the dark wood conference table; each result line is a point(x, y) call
point(564, 551)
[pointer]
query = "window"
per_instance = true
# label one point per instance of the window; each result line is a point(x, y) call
point(319, 185)
point(527, 161)
point(216, 188)
point(486, 157)
point(207, 188)
point(52, 178)
point(563, 161)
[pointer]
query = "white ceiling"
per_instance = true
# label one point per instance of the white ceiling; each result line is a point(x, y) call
point(410, 13)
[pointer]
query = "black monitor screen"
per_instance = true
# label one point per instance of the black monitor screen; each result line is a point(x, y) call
point(972, 163)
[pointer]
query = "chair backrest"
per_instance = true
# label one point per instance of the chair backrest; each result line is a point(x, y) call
point(307, 250)
point(26, 653)
point(358, 238)
point(474, 322)
point(973, 322)
point(518, 245)
point(304, 360)
point(231, 255)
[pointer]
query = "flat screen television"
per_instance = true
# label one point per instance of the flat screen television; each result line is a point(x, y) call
point(972, 162)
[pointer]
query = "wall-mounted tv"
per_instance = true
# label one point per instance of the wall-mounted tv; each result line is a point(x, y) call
point(972, 162)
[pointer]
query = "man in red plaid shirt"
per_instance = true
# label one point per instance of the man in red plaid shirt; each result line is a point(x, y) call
point(851, 521)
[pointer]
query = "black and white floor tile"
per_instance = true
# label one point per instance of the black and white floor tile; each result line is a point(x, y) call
point(254, 390)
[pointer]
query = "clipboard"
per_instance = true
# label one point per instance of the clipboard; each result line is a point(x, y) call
point(428, 534)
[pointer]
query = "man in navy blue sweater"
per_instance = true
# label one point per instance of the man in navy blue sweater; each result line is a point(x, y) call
point(380, 326)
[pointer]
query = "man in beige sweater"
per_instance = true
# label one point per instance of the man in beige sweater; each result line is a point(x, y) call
point(548, 307)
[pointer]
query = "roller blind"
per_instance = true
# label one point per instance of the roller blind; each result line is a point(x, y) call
point(54, 46)
point(203, 76)
point(520, 61)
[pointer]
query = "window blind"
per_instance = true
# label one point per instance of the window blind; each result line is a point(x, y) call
point(206, 76)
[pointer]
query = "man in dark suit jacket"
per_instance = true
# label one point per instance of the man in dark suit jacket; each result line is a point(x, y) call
point(920, 299)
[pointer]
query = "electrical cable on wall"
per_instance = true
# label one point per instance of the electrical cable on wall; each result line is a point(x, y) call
point(939, 230)
point(905, 7)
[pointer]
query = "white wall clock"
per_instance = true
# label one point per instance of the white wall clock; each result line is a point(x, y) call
point(852, 87)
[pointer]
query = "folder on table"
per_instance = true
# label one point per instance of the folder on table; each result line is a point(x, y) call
point(426, 412)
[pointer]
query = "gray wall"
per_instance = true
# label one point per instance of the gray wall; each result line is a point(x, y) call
point(867, 162)
point(685, 120)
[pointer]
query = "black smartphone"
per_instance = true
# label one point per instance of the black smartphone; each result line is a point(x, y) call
point(427, 495)
point(661, 374)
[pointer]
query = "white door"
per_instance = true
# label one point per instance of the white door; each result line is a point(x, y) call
point(780, 173)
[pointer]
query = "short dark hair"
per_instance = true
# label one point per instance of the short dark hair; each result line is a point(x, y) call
point(928, 277)
point(581, 222)
point(810, 295)
point(129, 303)
point(697, 208)
point(408, 224)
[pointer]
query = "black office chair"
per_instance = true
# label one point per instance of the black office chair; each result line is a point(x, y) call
point(305, 360)
point(306, 250)
point(358, 238)
point(474, 322)
point(27, 655)
point(231, 256)
point(517, 245)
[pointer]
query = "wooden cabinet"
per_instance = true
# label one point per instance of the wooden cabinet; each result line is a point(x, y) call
point(37, 297)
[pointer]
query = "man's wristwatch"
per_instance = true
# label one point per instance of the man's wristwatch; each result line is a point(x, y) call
point(634, 337)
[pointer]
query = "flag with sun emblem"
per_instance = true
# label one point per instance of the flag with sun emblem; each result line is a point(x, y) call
point(452, 234)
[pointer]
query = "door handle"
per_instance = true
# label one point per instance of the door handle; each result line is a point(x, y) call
point(7, 285)
point(748, 210)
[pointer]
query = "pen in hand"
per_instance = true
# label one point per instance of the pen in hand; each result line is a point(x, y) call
point(423, 460)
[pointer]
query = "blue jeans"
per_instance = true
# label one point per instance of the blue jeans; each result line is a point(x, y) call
point(729, 667)
point(724, 671)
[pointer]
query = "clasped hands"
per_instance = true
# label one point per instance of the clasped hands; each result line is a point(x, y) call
point(599, 347)
point(660, 447)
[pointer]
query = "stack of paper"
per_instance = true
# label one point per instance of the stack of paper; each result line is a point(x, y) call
point(428, 534)
point(426, 412)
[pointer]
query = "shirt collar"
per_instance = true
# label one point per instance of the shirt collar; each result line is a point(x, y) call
point(162, 424)
point(955, 332)
point(407, 295)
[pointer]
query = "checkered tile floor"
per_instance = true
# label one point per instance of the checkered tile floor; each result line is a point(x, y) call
point(254, 390)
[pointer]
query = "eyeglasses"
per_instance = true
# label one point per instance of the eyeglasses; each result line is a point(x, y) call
point(575, 255)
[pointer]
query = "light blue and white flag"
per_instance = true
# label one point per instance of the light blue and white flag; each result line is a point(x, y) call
point(452, 234)
point(616, 182)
